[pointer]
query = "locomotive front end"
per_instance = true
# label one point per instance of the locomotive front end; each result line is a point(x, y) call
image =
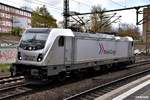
point(30, 54)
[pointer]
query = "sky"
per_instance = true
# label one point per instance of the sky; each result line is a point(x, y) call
point(55, 7)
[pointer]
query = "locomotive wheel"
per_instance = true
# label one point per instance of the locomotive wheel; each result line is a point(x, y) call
point(13, 71)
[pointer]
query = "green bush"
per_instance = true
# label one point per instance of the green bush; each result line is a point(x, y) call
point(16, 31)
point(4, 67)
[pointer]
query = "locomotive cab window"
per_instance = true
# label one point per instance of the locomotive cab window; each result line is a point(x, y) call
point(61, 41)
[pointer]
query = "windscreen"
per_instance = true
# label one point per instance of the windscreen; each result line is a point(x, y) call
point(34, 39)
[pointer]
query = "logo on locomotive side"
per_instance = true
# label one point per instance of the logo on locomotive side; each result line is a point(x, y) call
point(103, 50)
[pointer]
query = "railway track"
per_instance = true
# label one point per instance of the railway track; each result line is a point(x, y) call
point(12, 91)
point(100, 90)
point(138, 63)
point(21, 89)
point(10, 85)
point(9, 81)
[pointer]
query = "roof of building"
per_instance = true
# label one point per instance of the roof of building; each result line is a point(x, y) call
point(15, 7)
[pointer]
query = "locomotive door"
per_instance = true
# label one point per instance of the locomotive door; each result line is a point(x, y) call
point(68, 54)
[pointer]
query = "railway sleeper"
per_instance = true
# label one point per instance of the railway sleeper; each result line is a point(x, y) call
point(99, 93)
point(94, 94)
point(82, 98)
point(104, 91)
point(89, 97)
point(108, 88)
point(112, 87)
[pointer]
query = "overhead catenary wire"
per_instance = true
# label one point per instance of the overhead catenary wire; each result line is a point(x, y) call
point(103, 24)
point(40, 3)
point(82, 3)
point(114, 10)
point(117, 3)
point(44, 3)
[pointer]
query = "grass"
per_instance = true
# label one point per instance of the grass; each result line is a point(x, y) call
point(4, 67)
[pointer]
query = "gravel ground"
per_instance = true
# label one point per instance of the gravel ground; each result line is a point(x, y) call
point(60, 92)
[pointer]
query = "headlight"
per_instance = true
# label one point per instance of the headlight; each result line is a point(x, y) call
point(19, 56)
point(40, 57)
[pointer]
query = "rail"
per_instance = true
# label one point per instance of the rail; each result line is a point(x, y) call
point(92, 93)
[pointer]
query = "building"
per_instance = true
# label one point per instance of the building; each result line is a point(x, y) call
point(13, 17)
point(146, 24)
point(146, 28)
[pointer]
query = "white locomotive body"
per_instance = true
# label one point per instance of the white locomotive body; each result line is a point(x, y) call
point(44, 52)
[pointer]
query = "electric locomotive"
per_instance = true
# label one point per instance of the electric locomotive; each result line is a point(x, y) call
point(44, 53)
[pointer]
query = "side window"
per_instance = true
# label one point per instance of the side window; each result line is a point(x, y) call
point(132, 44)
point(61, 41)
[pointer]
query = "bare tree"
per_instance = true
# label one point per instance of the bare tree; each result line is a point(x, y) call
point(99, 20)
point(129, 30)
